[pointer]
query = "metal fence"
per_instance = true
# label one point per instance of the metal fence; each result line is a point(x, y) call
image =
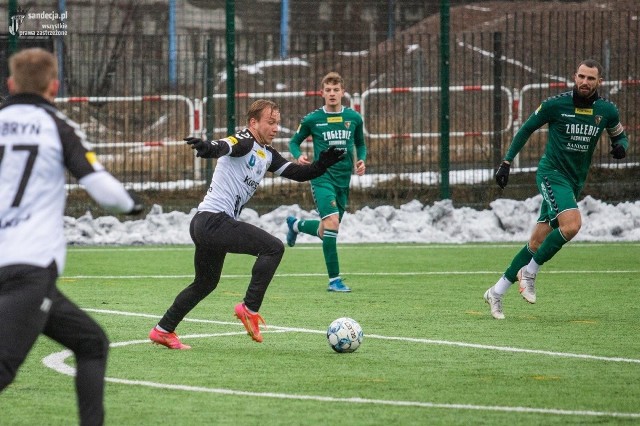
point(137, 90)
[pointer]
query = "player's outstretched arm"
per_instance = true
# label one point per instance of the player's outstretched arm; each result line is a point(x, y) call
point(326, 159)
point(111, 194)
point(207, 149)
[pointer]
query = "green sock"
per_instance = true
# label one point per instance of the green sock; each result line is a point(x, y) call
point(309, 227)
point(330, 250)
point(550, 246)
point(521, 259)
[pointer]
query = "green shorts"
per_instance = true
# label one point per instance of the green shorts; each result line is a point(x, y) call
point(330, 199)
point(558, 195)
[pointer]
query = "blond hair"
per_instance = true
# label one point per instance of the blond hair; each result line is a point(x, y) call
point(332, 78)
point(32, 70)
point(256, 108)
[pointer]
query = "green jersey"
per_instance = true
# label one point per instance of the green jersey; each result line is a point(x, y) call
point(573, 134)
point(342, 129)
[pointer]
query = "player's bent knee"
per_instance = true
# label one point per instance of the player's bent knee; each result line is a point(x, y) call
point(277, 250)
point(570, 232)
point(96, 347)
point(274, 251)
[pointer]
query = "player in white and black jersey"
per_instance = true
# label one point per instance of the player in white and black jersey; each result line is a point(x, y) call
point(37, 143)
point(243, 161)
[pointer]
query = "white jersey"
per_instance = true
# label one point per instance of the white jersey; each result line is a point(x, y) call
point(36, 143)
point(238, 173)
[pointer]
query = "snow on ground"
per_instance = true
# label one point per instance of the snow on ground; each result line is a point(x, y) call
point(505, 221)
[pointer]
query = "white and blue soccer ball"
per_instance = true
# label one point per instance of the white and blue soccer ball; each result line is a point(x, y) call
point(344, 335)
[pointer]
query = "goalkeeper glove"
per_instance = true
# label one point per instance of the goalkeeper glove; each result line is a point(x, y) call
point(502, 174)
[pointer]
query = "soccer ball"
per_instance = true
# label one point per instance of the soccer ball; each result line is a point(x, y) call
point(344, 335)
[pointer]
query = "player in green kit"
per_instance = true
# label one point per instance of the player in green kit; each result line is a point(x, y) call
point(576, 120)
point(339, 126)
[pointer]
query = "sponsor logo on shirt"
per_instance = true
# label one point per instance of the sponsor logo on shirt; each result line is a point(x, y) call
point(578, 147)
point(251, 183)
point(584, 111)
point(334, 120)
point(581, 136)
point(341, 135)
point(581, 129)
point(232, 140)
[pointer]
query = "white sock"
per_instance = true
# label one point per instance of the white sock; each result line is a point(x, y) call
point(161, 329)
point(502, 286)
point(533, 267)
point(333, 279)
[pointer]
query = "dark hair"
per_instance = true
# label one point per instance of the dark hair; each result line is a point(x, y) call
point(592, 63)
point(256, 108)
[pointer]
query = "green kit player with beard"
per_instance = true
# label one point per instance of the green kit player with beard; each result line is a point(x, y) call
point(339, 126)
point(576, 120)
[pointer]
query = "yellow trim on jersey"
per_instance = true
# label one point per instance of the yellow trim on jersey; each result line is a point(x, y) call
point(91, 157)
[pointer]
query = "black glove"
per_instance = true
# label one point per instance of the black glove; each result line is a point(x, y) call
point(330, 156)
point(618, 152)
point(204, 148)
point(502, 174)
point(138, 206)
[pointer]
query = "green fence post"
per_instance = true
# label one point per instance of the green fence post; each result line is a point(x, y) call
point(444, 100)
point(210, 119)
point(497, 99)
point(231, 66)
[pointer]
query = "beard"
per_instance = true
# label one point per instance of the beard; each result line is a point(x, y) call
point(583, 98)
point(585, 91)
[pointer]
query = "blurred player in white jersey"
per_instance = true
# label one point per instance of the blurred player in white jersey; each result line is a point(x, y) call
point(243, 161)
point(37, 143)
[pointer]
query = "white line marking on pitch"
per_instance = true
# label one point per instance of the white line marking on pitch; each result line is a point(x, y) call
point(378, 274)
point(56, 362)
point(404, 339)
point(359, 246)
